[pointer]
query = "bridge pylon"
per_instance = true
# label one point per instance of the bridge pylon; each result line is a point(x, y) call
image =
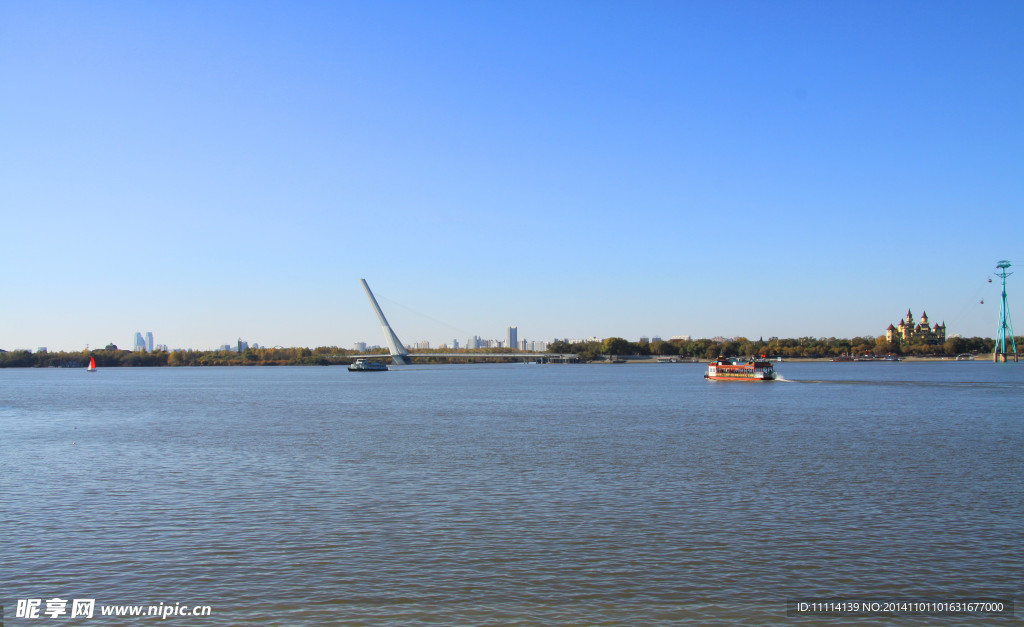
point(1005, 324)
point(398, 353)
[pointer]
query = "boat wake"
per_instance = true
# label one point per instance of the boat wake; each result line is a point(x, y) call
point(1014, 385)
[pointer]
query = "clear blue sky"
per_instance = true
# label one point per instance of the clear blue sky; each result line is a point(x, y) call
point(215, 170)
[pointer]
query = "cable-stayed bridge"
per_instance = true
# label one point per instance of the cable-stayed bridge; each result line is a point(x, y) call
point(400, 355)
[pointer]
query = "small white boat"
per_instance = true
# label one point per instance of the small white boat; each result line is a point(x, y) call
point(363, 365)
point(92, 365)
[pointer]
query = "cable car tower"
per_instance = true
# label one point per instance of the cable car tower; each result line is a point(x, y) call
point(1005, 325)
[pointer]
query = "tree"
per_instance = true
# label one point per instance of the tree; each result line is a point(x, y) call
point(955, 346)
point(559, 347)
point(616, 346)
point(664, 348)
point(885, 347)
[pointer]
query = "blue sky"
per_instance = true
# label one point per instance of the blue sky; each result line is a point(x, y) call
point(215, 170)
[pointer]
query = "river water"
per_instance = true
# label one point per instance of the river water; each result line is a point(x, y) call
point(511, 494)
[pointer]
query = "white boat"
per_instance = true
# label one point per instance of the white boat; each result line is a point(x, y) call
point(363, 365)
point(92, 365)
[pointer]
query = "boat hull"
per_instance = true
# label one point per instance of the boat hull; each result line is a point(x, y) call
point(735, 378)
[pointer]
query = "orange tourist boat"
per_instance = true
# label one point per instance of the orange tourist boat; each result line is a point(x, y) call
point(724, 369)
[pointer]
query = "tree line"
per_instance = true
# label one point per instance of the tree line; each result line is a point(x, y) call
point(803, 347)
point(111, 357)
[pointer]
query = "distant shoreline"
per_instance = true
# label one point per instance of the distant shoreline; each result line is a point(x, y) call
point(655, 360)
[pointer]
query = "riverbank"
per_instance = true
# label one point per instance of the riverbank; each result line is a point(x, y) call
point(657, 360)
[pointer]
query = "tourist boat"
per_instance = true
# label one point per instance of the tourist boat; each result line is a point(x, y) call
point(363, 365)
point(724, 369)
point(92, 365)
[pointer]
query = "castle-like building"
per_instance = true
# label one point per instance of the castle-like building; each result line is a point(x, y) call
point(907, 331)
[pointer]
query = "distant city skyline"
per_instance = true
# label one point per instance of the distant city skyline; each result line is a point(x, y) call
point(146, 342)
point(475, 342)
point(905, 330)
point(614, 169)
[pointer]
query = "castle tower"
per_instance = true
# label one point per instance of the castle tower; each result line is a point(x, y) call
point(913, 332)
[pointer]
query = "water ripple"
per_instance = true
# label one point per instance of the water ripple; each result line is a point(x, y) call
point(508, 496)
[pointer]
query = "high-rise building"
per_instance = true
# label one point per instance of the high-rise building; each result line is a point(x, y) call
point(455, 345)
point(149, 341)
point(360, 347)
point(512, 340)
point(139, 344)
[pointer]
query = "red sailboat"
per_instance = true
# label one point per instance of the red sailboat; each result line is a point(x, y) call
point(92, 365)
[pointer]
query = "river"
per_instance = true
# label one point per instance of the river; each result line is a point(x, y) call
point(510, 494)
